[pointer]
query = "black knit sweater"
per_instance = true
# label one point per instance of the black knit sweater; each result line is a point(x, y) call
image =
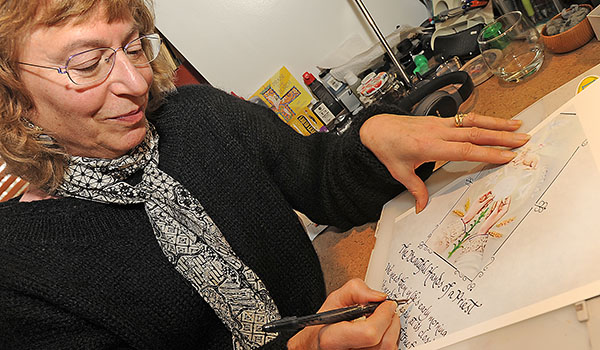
point(77, 274)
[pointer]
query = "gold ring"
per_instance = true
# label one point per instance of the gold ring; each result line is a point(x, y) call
point(458, 119)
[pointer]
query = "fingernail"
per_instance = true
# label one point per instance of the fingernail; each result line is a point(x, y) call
point(508, 154)
point(522, 137)
point(418, 207)
point(515, 122)
point(395, 305)
point(380, 294)
point(399, 311)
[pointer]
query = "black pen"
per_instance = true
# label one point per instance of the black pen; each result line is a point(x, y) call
point(349, 313)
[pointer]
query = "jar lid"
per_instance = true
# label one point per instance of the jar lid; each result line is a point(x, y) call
point(372, 83)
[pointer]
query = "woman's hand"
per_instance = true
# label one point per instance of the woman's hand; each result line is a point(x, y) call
point(403, 143)
point(378, 331)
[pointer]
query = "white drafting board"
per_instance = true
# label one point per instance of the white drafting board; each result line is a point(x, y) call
point(500, 244)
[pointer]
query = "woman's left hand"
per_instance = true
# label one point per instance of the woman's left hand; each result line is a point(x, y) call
point(403, 143)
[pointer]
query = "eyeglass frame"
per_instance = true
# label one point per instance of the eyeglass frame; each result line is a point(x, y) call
point(64, 69)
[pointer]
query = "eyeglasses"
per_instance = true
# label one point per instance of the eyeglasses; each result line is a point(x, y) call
point(94, 65)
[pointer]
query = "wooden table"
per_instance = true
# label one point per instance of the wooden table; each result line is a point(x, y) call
point(345, 255)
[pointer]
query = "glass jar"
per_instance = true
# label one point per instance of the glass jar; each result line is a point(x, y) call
point(382, 86)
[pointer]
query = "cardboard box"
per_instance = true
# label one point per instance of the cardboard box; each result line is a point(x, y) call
point(286, 97)
point(594, 18)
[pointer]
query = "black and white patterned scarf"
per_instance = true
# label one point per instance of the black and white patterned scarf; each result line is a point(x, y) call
point(185, 232)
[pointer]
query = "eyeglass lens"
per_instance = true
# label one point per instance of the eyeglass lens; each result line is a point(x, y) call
point(96, 64)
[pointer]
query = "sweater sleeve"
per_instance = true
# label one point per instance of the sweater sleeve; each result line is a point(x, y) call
point(333, 179)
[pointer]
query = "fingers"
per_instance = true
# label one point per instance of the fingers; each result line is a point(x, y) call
point(481, 136)
point(458, 151)
point(504, 205)
point(353, 292)
point(476, 207)
point(391, 337)
point(333, 336)
point(484, 130)
point(481, 121)
point(417, 188)
point(362, 333)
point(406, 176)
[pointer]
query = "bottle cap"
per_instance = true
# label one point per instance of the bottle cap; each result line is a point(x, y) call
point(324, 72)
point(417, 51)
point(351, 78)
point(308, 78)
point(404, 47)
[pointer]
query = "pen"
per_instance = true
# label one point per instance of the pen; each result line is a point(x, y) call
point(349, 313)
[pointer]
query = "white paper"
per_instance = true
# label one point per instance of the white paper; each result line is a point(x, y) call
point(501, 243)
point(587, 110)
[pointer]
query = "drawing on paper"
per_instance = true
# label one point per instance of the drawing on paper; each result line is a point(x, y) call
point(493, 241)
point(491, 207)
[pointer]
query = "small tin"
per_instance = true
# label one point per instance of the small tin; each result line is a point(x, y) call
point(380, 87)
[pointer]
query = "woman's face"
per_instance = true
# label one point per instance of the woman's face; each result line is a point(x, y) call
point(103, 120)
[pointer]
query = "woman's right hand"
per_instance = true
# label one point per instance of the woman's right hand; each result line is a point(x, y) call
point(378, 331)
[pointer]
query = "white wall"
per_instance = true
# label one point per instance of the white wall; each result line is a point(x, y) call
point(238, 44)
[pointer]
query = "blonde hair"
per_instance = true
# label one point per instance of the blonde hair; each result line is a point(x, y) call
point(25, 150)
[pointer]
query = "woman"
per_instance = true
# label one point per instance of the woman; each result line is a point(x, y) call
point(125, 241)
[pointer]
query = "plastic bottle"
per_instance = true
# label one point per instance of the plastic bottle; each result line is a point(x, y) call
point(321, 93)
point(353, 84)
point(332, 84)
point(323, 113)
point(349, 100)
point(340, 90)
